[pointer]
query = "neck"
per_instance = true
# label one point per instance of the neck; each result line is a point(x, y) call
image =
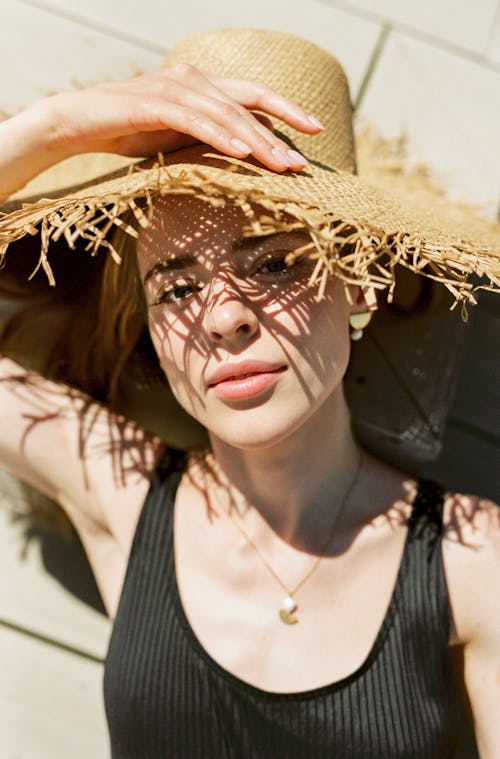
point(297, 485)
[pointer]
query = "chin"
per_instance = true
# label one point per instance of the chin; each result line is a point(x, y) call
point(252, 439)
point(257, 428)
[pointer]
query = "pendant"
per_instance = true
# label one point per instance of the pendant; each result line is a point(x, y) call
point(286, 612)
point(288, 618)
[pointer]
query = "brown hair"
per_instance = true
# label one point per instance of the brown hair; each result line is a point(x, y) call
point(92, 324)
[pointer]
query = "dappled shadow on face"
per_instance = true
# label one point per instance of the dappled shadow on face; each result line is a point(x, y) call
point(260, 283)
point(285, 315)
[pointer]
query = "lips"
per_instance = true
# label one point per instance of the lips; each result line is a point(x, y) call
point(245, 380)
point(235, 372)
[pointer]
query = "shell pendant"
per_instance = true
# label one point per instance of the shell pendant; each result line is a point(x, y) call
point(286, 612)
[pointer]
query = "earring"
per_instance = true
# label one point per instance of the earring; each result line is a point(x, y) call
point(358, 322)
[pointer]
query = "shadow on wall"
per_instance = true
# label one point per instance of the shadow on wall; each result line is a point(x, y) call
point(61, 551)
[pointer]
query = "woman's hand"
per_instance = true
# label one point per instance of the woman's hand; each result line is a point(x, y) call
point(158, 112)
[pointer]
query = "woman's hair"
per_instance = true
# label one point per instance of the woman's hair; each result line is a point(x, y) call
point(86, 329)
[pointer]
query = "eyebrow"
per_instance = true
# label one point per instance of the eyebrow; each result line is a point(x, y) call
point(188, 260)
point(250, 241)
point(243, 243)
point(169, 264)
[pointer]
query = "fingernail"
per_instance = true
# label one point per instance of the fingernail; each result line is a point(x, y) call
point(315, 122)
point(297, 157)
point(240, 146)
point(281, 157)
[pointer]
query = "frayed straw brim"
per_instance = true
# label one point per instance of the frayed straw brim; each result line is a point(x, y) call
point(440, 239)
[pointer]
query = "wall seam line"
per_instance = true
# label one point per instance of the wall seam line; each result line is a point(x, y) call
point(50, 641)
point(417, 34)
point(372, 64)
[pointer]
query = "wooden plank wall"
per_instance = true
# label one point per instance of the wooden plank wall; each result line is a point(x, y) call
point(429, 69)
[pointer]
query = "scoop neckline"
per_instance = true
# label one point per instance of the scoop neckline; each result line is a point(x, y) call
point(262, 693)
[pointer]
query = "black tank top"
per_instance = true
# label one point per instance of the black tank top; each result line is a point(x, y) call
point(166, 698)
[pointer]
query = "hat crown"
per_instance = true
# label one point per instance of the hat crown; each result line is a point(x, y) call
point(294, 67)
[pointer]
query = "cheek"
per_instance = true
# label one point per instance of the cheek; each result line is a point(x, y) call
point(180, 359)
point(318, 331)
point(333, 340)
point(169, 340)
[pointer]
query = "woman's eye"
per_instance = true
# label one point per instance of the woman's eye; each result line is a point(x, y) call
point(175, 294)
point(278, 267)
point(178, 293)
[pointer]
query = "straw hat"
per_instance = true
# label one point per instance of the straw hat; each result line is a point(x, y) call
point(361, 231)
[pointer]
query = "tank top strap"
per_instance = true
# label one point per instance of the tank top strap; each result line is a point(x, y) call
point(170, 460)
point(155, 521)
point(426, 519)
point(424, 593)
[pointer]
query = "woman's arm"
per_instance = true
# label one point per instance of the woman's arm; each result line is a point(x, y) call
point(94, 463)
point(472, 561)
point(162, 111)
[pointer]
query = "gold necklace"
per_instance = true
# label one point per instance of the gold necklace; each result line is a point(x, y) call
point(289, 604)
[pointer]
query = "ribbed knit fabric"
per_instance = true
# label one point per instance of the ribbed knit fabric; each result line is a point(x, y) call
point(166, 698)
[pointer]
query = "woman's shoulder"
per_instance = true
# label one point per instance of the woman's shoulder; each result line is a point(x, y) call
point(471, 521)
point(466, 521)
point(471, 526)
point(470, 529)
point(471, 556)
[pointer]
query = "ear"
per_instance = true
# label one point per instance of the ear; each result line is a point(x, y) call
point(364, 298)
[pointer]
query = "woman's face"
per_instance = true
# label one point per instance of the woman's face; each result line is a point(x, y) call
point(244, 345)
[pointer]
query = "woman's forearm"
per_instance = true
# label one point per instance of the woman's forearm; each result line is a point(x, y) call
point(28, 145)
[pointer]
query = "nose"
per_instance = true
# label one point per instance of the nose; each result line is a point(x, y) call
point(228, 316)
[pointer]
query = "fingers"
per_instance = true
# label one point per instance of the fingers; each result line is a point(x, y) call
point(259, 95)
point(251, 94)
point(239, 132)
point(228, 127)
point(264, 120)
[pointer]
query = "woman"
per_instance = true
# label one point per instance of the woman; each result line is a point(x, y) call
point(316, 592)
